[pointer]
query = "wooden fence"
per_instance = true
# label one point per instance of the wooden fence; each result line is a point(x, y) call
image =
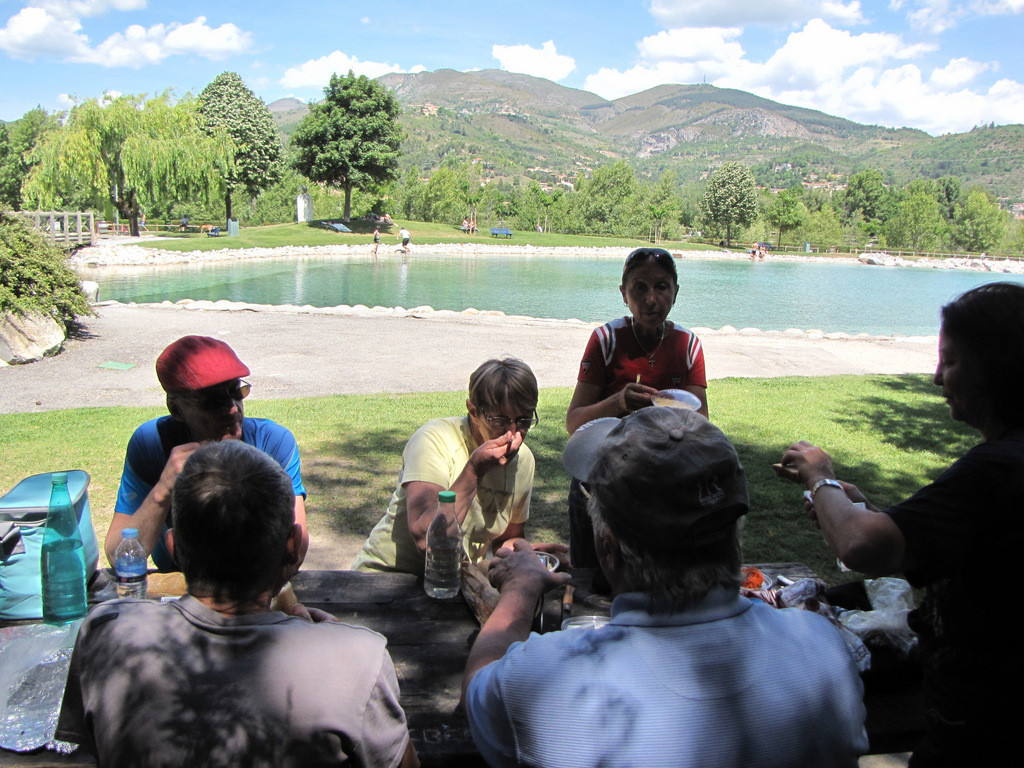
point(68, 229)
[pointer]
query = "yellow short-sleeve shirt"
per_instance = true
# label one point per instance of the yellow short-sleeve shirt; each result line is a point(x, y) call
point(437, 453)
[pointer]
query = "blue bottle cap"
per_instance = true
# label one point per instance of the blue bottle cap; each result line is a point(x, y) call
point(129, 533)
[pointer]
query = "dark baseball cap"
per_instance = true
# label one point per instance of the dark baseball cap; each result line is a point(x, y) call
point(662, 476)
point(197, 362)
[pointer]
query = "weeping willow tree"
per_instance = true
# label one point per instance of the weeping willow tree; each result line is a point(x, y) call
point(133, 153)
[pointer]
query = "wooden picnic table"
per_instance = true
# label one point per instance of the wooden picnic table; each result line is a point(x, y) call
point(429, 641)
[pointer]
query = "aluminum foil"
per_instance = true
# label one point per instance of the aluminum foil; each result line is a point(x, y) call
point(34, 661)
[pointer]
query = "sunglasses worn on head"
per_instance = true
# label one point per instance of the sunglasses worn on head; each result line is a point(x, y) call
point(213, 399)
point(660, 255)
point(523, 423)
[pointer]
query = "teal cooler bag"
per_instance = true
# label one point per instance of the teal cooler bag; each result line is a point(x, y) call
point(25, 506)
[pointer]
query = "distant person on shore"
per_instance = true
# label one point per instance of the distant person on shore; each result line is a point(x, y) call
point(465, 225)
point(472, 225)
point(959, 538)
point(626, 362)
point(376, 239)
point(482, 457)
point(220, 677)
point(203, 380)
point(405, 237)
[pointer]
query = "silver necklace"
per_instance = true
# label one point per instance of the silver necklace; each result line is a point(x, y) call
point(650, 355)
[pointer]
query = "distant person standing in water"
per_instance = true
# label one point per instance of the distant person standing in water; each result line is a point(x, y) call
point(376, 239)
point(405, 237)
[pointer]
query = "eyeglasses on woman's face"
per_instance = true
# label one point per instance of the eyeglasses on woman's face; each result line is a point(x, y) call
point(504, 423)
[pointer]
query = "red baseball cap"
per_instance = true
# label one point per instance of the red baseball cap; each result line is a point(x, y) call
point(197, 362)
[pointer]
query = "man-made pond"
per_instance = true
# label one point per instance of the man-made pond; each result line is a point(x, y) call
point(769, 295)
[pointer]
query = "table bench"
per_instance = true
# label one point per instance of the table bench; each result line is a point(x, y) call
point(429, 641)
point(501, 232)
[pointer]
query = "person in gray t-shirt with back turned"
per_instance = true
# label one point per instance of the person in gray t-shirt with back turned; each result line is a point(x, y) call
point(217, 678)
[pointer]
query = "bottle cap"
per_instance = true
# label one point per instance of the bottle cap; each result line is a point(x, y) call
point(129, 533)
point(446, 497)
point(58, 477)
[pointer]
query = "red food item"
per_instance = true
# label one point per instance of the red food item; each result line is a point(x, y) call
point(753, 578)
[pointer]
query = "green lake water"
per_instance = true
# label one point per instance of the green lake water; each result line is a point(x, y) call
point(768, 295)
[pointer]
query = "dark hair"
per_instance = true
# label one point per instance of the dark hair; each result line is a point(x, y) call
point(988, 323)
point(234, 507)
point(508, 380)
point(643, 255)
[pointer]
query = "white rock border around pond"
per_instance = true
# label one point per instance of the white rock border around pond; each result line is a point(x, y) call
point(122, 254)
point(489, 315)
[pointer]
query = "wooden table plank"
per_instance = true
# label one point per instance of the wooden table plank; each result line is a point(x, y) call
point(429, 641)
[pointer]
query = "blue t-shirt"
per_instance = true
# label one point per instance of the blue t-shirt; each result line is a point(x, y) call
point(148, 452)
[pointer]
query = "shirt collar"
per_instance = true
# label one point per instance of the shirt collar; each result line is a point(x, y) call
point(637, 609)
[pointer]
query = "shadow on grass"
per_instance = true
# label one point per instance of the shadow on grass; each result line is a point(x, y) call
point(894, 434)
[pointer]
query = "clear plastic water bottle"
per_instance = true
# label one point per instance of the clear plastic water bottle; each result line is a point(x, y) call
point(441, 578)
point(130, 565)
point(62, 564)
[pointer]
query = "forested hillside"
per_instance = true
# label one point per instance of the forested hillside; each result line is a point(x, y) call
point(527, 127)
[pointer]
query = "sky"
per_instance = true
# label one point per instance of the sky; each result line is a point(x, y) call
point(943, 66)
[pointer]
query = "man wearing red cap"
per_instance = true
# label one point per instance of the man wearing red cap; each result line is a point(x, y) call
point(203, 380)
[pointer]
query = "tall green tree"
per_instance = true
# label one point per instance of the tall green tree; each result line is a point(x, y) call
point(785, 211)
point(917, 223)
point(948, 192)
point(229, 105)
point(867, 195)
point(609, 200)
point(730, 198)
point(351, 139)
point(17, 140)
point(823, 228)
point(131, 153)
point(978, 224)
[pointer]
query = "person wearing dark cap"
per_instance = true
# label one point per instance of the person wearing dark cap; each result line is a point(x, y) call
point(203, 379)
point(681, 676)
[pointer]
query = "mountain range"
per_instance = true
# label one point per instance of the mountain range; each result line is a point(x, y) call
point(526, 127)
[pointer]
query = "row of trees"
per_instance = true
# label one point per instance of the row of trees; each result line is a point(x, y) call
point(926, 215)
point(170, 157)
point(613, 201)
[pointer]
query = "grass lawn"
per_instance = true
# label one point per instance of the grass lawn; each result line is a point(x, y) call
point(423, 233)
point(887, 434)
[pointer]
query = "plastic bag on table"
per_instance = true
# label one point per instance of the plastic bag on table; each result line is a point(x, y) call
point(809, 594)
point(34, 661)
point(886, 622)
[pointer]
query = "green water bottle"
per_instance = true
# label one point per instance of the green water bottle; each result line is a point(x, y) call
point(62, 567)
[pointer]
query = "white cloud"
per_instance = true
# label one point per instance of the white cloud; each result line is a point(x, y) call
point(719, 13)
point(35, 32)
point(316, 73)
point(998, 7)
point(958, 73)
point(79, 8)
point(52, 28)
point(933, 16)
point(138, 46)
point(539, 62)
point(872, 77)
point(691, 44)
